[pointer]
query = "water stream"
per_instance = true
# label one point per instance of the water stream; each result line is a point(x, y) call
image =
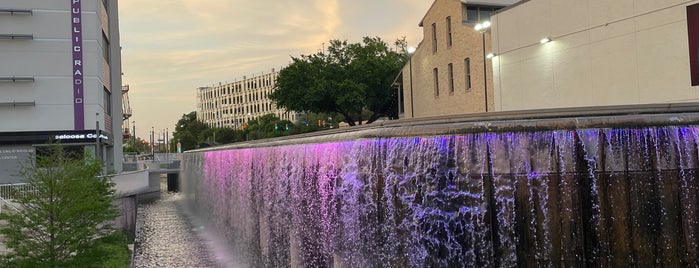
point(569, 198)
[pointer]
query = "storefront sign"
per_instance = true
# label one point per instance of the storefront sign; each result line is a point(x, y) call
point(76, 29)
point(62, 137)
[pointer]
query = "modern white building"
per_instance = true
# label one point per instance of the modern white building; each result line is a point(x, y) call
point(595, 52)
point(60, 80)
point(234, 104)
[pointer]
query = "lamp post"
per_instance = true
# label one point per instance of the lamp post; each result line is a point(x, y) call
point(483, 27)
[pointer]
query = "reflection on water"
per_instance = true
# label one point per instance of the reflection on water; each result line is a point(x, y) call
point(168, 237)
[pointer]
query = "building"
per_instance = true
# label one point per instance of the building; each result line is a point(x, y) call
point(445, 75)
point(60, 80)
point(609, 52)
point(234, 104)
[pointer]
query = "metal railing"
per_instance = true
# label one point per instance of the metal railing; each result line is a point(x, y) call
point(12, 191)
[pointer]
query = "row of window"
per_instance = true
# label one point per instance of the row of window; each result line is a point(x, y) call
point(450, 77)
point(253, 84)
point(240, 122)
point(471, 13)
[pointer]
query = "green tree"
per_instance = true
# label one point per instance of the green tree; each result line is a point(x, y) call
point(349, 79)
point(61, 220)
point(188, 131)
point(268, 126)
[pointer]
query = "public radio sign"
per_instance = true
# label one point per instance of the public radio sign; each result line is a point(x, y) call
point(76, 29)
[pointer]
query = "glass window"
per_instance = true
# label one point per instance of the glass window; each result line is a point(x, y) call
point(107, 102)
point(451, 78)
point(472, 13)
point(467, 68)
point(434, 37)
point(435, 74)
point(448, 22)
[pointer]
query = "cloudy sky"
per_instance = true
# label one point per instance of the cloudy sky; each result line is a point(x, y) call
point(170, 48)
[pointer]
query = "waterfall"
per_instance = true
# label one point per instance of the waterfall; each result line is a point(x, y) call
point(585, 197)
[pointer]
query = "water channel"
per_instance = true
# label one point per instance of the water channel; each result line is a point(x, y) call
point(168, 235)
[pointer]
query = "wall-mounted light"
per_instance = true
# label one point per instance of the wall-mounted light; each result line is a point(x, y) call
point(490, 55)
point(545, 40)
point(482, 26)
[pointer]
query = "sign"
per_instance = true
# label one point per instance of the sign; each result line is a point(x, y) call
point(77, 47)
point(60, 137)
point(11, 160)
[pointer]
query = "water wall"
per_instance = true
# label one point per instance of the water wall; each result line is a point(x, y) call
point(604, 191)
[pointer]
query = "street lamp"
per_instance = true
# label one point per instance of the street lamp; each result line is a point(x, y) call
point(482, 28)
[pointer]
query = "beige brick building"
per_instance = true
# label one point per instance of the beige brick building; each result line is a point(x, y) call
point(234, 104)
point(445, 74)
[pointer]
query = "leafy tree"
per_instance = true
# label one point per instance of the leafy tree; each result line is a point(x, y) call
point(61, 220)
point(268, 126)
point(188, 131)
point(348, 79)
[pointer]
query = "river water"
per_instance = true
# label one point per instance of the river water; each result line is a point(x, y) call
point(167, 235)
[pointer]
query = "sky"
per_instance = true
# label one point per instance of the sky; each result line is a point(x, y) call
point(170, 48)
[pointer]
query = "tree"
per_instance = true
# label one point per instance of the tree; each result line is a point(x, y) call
point(348, 79)
point(268, 126)
point(188, 131)
point(65, 215)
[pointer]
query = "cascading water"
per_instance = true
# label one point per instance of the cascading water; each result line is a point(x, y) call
point(565, 198)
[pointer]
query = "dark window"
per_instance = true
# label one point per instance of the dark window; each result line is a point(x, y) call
point(107, 102)
point(434, 37)
point(478, 13)
point(472, 13)
point(467, 68)
point(105, 48)
point(448, 22)
point(435, 74)
point(451, 78)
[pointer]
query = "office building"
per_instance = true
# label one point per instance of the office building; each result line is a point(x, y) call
point(60, 80)
point(234, 104)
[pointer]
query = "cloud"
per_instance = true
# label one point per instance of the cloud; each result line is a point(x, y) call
point(172, 47)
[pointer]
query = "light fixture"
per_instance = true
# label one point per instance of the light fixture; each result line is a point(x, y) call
point(411, 50)
point(545, 40)
point(482, 26)
point(490, 56)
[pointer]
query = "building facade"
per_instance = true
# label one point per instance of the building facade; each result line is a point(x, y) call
point(610, 52)
point(233, 105)
point(448, 73)
point(60, 80)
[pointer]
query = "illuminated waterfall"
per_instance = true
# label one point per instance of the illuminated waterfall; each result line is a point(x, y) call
point(597, 197)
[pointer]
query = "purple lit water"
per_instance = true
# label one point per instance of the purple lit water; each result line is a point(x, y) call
point(589, 197)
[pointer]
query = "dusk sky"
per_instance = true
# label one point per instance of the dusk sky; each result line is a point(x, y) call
point(170, 48)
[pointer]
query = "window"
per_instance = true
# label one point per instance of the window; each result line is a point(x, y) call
point(16, 36)
point(107, 102)
point(451, 78)
point(478, 13)
point(467, 68)
point(9, 11)
point(105, 48)
point(434, 37)
point(448, 22)
point(435, 74)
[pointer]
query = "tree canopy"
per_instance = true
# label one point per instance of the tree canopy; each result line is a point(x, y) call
point(189, 130)
point(61, 221)
point(347, 79)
